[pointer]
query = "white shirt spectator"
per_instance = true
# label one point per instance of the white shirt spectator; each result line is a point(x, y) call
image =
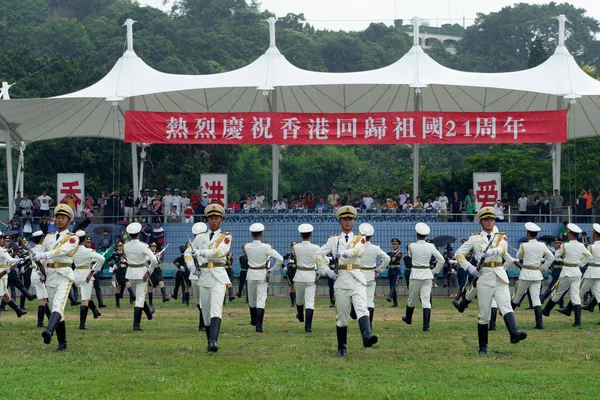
point(427, 206)
point(443, 202)
point(499, 211)
point(176, 201)
point(368, 201)
point(280, 205)
point(260, 199)
point(402, 197)
point(26, 205)
point(522, 204)
point(437, 205)
point(44, 202)
point(185, 202)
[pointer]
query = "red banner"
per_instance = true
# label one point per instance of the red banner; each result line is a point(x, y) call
point(363, 128)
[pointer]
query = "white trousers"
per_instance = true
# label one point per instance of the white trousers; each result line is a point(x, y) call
point(422, 288)
point(85, 288)
point(211, 299)
point(592, 284)
point(257, 293)
point(344, 298)
point(523, 286)
point(139, 288)
point(40, 287)
point(4, 285)
point(195, 291)
point(568, 284)
point(371, 294)
point(486, 294)
point(58, 296)
point(305, 294)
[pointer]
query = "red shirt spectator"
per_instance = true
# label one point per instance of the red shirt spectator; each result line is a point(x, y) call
point(234, 205)
point(195, 200)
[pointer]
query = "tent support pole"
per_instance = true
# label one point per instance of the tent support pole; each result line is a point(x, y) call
point(9, 175)
point(134, 157)
point(275, 150)
point(415, 150)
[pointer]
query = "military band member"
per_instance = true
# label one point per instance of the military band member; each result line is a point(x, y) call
point(179, 263)
point(394, 270)
point(291, 272)
point(97, 274)
point(407, 267)
point(422, 276)
point(14, 275)
point(38, 280)
point(530, 257)
point(25, 273)
point(194, 271)
point(6, 264)
point(555, 270)
point(138, 255)
point(118, 262)
point(259, 269)
point(243, 273)
point(351, 285)
point(573, 255)
point(591, 278)
point(210, 249)
point(489, 248)
point(86, 262)
point(368, 264)
point(156, 278)
point(305, 277)
point(59, 249)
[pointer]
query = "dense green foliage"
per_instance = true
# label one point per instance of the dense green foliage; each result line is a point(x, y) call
point(52, 47)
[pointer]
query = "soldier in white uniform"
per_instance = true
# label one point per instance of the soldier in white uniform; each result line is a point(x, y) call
point(489, 248)
point(351, 286)
point(305, 278)
point(530, 257)
point(194, 268)
point(59, 249)
point(421, 276)
point(36, 280)
point(138, 254)
point(259, 260)
point(368, 261)
point(87, 262)
point(591, 278)
point(210, 249)
point(7, 263)
point(573, 256)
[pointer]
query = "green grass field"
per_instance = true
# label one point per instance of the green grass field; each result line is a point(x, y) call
point(168, 359)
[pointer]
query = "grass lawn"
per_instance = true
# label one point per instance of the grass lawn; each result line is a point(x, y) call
point(168, 359)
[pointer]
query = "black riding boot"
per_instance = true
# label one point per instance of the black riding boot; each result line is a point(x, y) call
point(590, 306)
point(73, 296)
point(83, 312)
point(482, 334)
point(100, 298)
point(48, 311)
point(408, 317)
point(365, 330)
point(61, 335)
point(293, 298)
point(539, 324)
point(22, 302)
point(201, 326)
point(52, 323)
point(187, 299)
point(462, 305)
point(426, 319)
point(94, 309)
point(148, 311)
point(163, 291)
point(131, 295)
point(150, 296)
point(342, 336)
point(253, 316)
point(395, 299)
point(567, 310)
point(41, 313)
point(300, 313)
point(493, 317)
point(371, 314)
point(230, 293)
point(548, 307)
point(27, 294)
point(16, 308)
point(309, 318)
point(511, 324)
point(260, 314)
point(137, 318)
point(577, 310)
point(118, 300)
point(215, 326)
point(352, 311)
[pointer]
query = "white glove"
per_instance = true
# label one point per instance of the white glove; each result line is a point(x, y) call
point(490, 252)
point(344, 253)
point(40, 275)
point(198, 272)
point(452, 262)
point(200, 253)
point(39, 257)
point(473, 271)
point(558, 259)
point(331, 274)
point(271, 270)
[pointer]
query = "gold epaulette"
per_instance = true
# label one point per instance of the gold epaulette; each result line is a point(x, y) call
point(473, 234)
point(334, 236)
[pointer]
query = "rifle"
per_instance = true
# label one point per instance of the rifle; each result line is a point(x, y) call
point(481, 260)
point(39, 265)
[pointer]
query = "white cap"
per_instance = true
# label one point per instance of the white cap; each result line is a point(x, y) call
point(199, 227)
point(305, 228)
point(366, 229)
point(80, 233)
point(257, 227)
point(531, 227)
point(422, 229)
point(595, 227)
point(571, 227)
point(40, 233)
point(134, 228)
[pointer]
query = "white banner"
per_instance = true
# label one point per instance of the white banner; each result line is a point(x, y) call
point(487, 187)
point(216, 187)
point(71, 191)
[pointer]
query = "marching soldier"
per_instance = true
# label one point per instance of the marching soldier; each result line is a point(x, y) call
point(489, 248)
point(530, 256)
point(370, 253)
point(243, 273)
point(394, 270)
point(194, 271)
point(38, 280)
point(59, 249)
point(25, 274)
point(422, 276)
point(7, 263)
point(210, 250)
point(118, 260)
point(555, 270)
point(179, 263)
point(259, 270)
point(291, 272)
point(573, 255)
point(97, 274)
point(591, 278)
point(156, 278)
point(305, 277)
point(229, 270)
point(407, 267)
point(86, 262)
point(350, 288)
point(138, 255)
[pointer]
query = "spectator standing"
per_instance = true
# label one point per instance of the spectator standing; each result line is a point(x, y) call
point(174, 215)
point(470, 205)
point(321, 206)
point(443, 206)
point(101, 203)
point(113, 206)
point(177, 200)
point(587, 196)
point(18, 199)
point(522, 204)
point(402, 197)
point(260, 199)
point(234, 205)
point(26, 205)
point(280, 204)
point(437, 205)
point(390, 204)
point(333, 197)
point(195, 200)
point(367, 200)
point(159, 236)
point(167, 200)
point(533, 205)
point(499, 211)
point(418, 204)
point(146, 234)
point(128, 204)
point(185, 201)
point(205, 201)
point(309, 197)
point(428, 206)
point(597, 207)
point(143, 205)
point(89, 202)
point(545, 206)
point(45, 203)
point(456, 206)
point(157, 207)
point(556, 205)
point(348, 198)
point(44, 225)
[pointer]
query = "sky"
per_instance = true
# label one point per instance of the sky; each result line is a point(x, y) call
point(358, 14)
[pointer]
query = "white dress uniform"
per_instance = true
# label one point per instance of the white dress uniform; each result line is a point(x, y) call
point(574, 256)
point(86, 260)
point(530, 277)
point(188, 256)
point(591, 278)
point(5, 262)
point(421, 276)
point(368, 264)
point(259, 258)
point(305, 278)
point(138, 254)
point(36, 281)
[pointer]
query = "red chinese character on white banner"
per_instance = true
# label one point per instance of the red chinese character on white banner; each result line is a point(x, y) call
point(260, 128)
point(232, 128)
point(404, 128)
point(319, 128)
point(346, 126)
point(177, 128)
point(514, 126)
point(215, 191)
point(487, 194)
point(290, 126)
point(205, 128)
point(375, 127)
point(71, 189)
